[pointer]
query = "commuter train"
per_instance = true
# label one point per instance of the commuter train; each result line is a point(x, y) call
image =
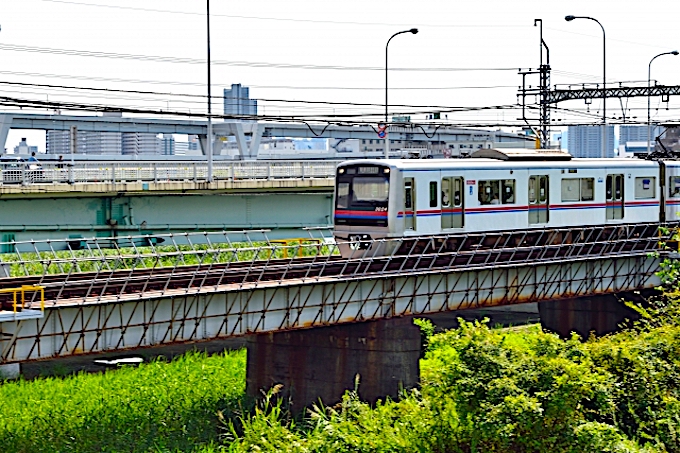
point(376, 199)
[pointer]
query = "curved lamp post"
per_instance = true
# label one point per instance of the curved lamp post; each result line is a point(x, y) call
point(649, 82)
point(209, 132)
point(604, 80)
point(387, 135)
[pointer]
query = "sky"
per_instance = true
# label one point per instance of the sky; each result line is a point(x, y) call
point(312, 60)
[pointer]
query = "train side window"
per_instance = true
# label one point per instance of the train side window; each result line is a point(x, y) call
point(674, 187)
point(343, 195)
point(571, 190)
point(433, 194)
point(488, 192)
point(645, 188)
point(587, 189)
point(542, 189)
point(446, 192)
point(457, 192)
point(508, 193)
point(532, 189)
point(578, 189)
point(618, 187)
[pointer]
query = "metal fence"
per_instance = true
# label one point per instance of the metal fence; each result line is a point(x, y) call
point(134, 296)
point(26, 173)
point(102, 269)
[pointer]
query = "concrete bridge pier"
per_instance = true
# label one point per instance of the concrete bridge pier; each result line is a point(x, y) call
point(322, 362)
point(600, 314)
point(10, 371)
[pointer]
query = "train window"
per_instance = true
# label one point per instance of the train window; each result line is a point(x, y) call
point(674, 187)
point(587, 189)
point(578, 189)
point(571, 189)
point(433, 194)
point(508, 192)
point(371, 189)
point(342, 201)
point(496, 192)
point(488, 192)
point(457, 191)
point(446, 192)
point(645, 187)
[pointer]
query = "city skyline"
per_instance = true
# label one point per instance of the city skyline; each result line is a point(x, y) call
point(464, 56)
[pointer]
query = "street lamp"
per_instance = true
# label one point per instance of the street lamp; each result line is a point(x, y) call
point(209, 132)
point(387, 135)
point(604, 80)
point(649, 82)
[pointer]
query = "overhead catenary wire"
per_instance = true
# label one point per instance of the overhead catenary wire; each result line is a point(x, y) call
point(198, 61)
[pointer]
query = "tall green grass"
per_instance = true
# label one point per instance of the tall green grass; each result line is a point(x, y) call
point(99, 259)
point(159, 406)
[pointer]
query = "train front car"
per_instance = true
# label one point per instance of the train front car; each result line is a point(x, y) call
point(362, 207)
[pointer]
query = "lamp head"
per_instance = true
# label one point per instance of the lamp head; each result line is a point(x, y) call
point(569, 18)
point(675, 52)
point(414, 30)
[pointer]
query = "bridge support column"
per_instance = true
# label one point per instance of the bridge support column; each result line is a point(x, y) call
point(321, 363)
point(598, 314)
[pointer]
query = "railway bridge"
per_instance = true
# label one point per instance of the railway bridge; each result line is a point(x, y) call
point(314, 319)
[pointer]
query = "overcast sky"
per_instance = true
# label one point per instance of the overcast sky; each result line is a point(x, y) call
point(466, 54)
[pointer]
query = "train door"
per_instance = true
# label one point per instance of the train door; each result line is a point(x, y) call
point(539, 202)
point(409, 204)
point(453, 211)
point(615, 197)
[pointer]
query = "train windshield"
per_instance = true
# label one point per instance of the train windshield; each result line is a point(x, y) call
point(362, 194)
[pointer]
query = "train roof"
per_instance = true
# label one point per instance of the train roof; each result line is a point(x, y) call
point(474, 164)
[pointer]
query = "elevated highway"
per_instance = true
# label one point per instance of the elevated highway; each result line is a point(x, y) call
point(254, 130)
point(120, 198)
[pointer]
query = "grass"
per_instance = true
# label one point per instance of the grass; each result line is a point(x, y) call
point(67, 261)
point(159, 405)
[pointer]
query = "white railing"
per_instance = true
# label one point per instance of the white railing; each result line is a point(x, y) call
point(109, 172)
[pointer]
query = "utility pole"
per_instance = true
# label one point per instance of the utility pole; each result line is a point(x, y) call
point(544, 74)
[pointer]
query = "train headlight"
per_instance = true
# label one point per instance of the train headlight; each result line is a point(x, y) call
point(386, 170)
point(341, 170)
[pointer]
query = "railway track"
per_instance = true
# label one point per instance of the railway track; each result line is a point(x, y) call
point(439, 253)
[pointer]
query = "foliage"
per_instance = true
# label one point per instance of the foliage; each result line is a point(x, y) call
point(482, 389)
point(158, 406)
point(115, 258)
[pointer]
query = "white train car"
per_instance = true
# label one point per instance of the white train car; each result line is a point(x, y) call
point(400, 198)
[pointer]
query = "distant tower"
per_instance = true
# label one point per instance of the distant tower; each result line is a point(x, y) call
point(237, 101)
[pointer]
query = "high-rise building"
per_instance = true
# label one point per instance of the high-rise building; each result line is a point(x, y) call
point(237, 101)
point(87, 142)
point(586, 141)
point(136, 143)
point(168, 145)
point(109, 143)
point(629, 134)
point(59, 142)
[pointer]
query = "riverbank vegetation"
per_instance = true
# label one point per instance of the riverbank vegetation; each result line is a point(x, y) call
point(482, 389)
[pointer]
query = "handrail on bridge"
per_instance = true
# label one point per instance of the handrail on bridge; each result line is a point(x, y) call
point(22, 290)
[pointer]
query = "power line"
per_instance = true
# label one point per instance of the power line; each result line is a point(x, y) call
point(316, 21)
point(201, 96)
point(196, 61)
point(284, 87)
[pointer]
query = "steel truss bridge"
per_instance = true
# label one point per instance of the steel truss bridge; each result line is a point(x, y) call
point(556, 95)
point(143, 294)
